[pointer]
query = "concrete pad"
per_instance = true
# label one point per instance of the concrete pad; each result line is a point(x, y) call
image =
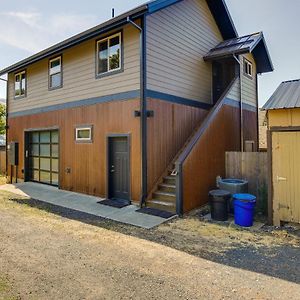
point(83, 203)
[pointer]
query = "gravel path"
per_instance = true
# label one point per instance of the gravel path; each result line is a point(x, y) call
point(45, 256)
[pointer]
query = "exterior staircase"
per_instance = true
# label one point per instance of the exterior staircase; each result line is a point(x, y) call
point(164, 198)
point(163, 195)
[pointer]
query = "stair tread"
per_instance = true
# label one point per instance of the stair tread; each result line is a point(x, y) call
point(167, 185)
point(170, 177)
point(158, 192)
point(164, 203)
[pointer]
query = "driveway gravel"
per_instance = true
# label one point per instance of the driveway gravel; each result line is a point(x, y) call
point(48, 256)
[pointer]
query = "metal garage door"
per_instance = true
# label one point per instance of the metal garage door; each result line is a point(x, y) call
point(286, 174)
point(43, 156)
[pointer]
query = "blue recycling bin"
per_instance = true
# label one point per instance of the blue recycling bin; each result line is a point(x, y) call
point(244, 208)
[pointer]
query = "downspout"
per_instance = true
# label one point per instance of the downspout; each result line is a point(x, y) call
point(6, 126)
point(143, 106)
point(241, 103)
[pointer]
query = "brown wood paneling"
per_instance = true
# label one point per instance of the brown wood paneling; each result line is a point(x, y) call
point(251, 127)
point(207, 159)
point(167, 132)
point(86, 160)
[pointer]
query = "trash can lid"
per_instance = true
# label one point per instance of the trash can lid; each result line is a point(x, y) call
point(219, 193)
point(244, 197)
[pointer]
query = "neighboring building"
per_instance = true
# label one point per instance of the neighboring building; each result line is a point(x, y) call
point(262, 124)
point(283, 111)
point(141, 107)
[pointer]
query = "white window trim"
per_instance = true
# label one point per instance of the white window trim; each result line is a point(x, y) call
point(248, 66)
point(78, 139)
point(54, 73)
point(107, 39)
point(25, 89)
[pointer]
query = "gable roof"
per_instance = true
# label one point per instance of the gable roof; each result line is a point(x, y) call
point(287, 95)
point(217, 7)
point(252, 43)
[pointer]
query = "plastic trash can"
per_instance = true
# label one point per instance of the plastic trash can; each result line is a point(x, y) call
point(218, 200)
point(244, 208)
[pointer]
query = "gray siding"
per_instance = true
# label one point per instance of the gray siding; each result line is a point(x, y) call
point(79, 80)
point(249, 95)
point(177, 39)
point(234, 93)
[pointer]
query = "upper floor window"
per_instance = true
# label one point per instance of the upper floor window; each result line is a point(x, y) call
point(248, 68)
point(55, 73)
point(109, 54)
point(20, 84)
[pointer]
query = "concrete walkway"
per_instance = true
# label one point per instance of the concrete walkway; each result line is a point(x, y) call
point(83, 203)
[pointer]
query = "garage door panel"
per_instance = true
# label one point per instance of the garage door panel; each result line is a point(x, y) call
point(43, 162)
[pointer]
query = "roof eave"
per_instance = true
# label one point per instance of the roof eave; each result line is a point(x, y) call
point(226, 25)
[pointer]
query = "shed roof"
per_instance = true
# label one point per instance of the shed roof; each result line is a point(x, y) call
point(287, 95)
point(217, 7)
point(252, 43)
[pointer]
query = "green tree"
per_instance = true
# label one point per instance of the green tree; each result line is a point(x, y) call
point(2, 118)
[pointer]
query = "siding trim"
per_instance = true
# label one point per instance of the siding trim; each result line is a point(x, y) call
point(234, 103)
point(176, 99)
point(84, 102)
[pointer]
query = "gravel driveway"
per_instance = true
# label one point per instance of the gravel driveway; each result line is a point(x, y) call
point(46, 256)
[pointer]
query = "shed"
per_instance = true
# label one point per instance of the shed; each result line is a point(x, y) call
point(283, 111)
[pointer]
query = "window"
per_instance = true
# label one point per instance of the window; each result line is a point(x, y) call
point(55, 73)
point(83, 134)
point(20, 84)
point(248, 68)
point(109, 54)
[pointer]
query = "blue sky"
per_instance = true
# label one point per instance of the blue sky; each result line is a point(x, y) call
point(26, 29)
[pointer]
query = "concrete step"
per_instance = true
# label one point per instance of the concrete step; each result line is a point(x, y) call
point(162, 205)
point(169, 188)
point(170, 180)
point(164, 196)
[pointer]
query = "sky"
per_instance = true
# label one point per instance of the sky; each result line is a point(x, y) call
point(27, 29)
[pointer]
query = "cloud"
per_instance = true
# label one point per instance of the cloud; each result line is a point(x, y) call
point(31, 31)
point(29, 18)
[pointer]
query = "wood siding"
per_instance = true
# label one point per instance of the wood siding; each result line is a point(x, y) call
point(167, 132)
point(235, 92)
point(79, 80)
point(207, 159)
point(251, 127)
point(87, 161)
point(284, 117)
point(285, 176)
point(249, 90)
point(177, 39)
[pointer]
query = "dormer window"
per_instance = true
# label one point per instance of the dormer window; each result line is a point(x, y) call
point(55, 73)
point(109, 57)
point(20, 85)
point(248, 68)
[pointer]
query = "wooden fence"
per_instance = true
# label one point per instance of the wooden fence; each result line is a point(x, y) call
point(253, 167)
point(2, 162)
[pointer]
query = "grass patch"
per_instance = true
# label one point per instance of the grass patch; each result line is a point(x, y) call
point(3, 286)
point(2, 180)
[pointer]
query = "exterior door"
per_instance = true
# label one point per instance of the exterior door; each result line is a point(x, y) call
point(42, 156)
point(286, 174)
point(118, 168)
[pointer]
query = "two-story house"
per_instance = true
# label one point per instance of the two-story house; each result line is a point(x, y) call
point(141, 107)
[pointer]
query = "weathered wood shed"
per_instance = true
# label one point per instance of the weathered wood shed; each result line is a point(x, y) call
point(283, 110)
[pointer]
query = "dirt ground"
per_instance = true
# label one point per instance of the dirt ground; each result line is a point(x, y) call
point(45, 254)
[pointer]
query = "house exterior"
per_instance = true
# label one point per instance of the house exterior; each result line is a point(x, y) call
point(283, 110)
point(142, 107)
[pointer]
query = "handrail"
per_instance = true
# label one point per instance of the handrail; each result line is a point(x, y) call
point(205, 123)
point(179, 162)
